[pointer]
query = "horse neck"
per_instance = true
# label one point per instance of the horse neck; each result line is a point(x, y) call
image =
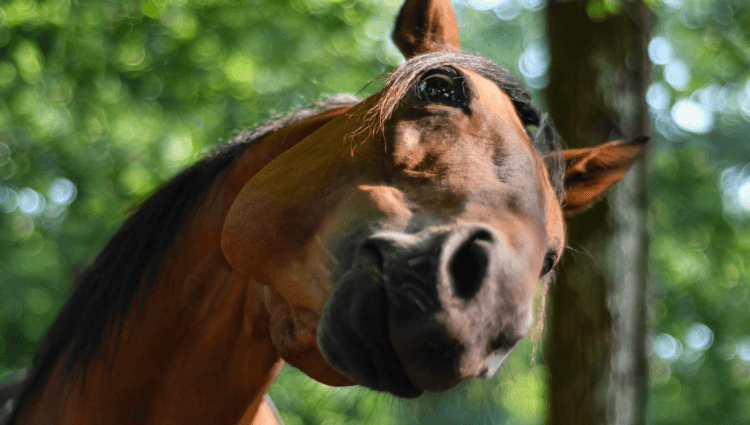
point(200, 351)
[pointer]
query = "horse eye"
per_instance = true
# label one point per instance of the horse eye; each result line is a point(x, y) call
point(438, 88)
point(549, 262)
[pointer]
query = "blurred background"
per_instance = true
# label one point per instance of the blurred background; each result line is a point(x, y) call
point(102, 102)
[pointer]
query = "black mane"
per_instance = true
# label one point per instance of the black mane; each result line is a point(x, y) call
point(103, 294)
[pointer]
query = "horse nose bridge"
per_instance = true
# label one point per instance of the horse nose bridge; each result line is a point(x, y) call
point(469, 258)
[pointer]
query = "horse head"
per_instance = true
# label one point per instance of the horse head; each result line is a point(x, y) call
point(399, 246)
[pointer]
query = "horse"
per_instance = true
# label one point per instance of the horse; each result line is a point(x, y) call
point(393, 242)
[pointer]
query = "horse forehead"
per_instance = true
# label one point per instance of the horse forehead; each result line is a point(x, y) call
point(499, 106)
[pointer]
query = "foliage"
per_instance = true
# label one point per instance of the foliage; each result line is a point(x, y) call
point(702, 294)
point(101, 102)
point(700, 249)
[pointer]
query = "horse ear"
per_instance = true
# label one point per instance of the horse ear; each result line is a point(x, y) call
point(589, 172)
point(425, 26)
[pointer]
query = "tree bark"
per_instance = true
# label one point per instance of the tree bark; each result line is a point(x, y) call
point(596, 350)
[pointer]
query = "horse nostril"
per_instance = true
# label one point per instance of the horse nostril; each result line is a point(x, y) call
point(468, 266)
point(371, 248)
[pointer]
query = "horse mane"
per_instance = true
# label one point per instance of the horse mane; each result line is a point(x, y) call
point(103, 294)
point(403, 80)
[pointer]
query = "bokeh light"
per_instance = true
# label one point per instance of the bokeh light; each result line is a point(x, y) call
point(507, 10)
point(62, 191)
point(534, 63)
point(677, 74)
point(743, 348)
point(692, 116)
point(660, 51)
point(532, 4)
point(743, 195)
point(735, 186)
point(674, 4)
point(30, 201)
point(743, 101)
point(667, 347)
point(699, 337)
point(483, 4)
point(8, 199)
point(658, 97)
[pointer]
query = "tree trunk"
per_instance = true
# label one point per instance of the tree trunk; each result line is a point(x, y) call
point(598, 325)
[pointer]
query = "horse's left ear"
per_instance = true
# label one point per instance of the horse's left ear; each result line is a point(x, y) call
point(425, 26)
point(589, 172)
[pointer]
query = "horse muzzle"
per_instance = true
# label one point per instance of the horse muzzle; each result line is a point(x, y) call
point(424, 311)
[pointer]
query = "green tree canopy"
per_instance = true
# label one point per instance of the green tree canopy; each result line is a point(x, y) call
point(101, 102)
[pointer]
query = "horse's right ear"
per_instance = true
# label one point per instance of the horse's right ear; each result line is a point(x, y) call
point(425, 26)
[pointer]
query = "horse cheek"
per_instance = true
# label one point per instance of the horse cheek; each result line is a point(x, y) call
point(293, 332)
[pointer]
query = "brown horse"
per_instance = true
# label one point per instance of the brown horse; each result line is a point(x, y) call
point(394, 242)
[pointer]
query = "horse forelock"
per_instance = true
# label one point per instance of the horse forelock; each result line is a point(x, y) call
point(401, 81)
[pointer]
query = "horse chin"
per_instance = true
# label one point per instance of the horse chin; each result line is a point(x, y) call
point(353, 333)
